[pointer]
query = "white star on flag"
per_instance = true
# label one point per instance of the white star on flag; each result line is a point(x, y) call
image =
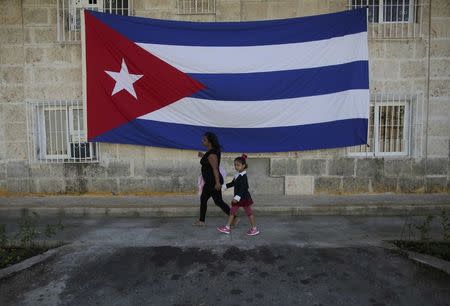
point(124, 80)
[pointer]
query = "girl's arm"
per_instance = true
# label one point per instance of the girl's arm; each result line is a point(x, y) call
point(231, 184)
point(213, 161)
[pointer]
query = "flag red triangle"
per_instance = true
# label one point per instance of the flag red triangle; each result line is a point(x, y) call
point(160, 84)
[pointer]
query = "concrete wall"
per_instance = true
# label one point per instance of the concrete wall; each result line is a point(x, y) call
point(35, 67)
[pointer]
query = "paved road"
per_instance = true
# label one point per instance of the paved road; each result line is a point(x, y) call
point(166, 261)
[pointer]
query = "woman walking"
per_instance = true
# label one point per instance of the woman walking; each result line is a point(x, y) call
point(210, 162)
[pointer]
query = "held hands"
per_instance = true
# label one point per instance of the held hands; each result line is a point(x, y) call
point(218, 187)
point(234, 202)
point(200, 154)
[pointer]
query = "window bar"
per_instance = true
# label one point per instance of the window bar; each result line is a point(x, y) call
point(384, 113)
point(59, 132)
point(407, 23)
point(69, 30)
point(390, 7)
point(377, 128)
point(396, 21)
point(409, 147)
point(391, 129)
point(401, 139)
point(27, 112)
point(79, 138)
point(32, 132)
point(412, 23)
point(50, 128)
point(39, 125)
point(398, 145)
point(406, 126)
point(64, 21)
point(58, 23)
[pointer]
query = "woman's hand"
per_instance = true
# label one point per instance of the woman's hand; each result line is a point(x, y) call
point(218, 187)
point(200, 154)
point(234, 202)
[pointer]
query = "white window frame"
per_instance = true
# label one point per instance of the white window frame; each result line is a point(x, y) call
point(377, 128)
point(75, 139)
point(380, 9)
point(374, 149)
point(69, 13)
point(410, 9)
point(43, 128)
point(196, 7)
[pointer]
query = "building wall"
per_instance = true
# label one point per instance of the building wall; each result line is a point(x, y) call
point(35, 67)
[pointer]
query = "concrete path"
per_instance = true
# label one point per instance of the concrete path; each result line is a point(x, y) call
point(313, 260)
point(188, 205)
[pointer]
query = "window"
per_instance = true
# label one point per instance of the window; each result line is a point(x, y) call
point(392, 18)
point(196, 7)
point(69, 15)
point(57, 133)
point(393, 130)
point(387, 10)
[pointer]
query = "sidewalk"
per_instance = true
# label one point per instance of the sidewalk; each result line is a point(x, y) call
point(322, 260)
point(188, 205)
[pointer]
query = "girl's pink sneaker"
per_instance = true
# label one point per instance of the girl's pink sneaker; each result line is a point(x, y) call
point(224, 229)
point(253, 231)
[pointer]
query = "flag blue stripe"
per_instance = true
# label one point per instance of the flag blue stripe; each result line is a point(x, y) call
point(283, 84)
point(304, 137)
point(251, 33)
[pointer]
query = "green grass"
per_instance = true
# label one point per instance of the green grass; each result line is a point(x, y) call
point(11, 255)
point(440, 249)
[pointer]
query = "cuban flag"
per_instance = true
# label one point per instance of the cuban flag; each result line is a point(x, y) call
point(261, 86)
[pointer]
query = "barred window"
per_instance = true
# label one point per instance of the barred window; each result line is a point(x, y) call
point(387, 10)
point(392, 18)
point(394, 127)
point(193, 7)
point(69, 15)
point(57, 133)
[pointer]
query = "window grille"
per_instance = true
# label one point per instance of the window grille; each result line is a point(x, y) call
point(395, 126)
point(69, 15)
point(56, 133)
point(196, 7)
point(392, 19)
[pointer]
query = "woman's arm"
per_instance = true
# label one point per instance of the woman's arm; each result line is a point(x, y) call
point(213, 161)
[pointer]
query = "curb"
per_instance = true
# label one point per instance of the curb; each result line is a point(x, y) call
point(424, 259)
point(27, 263)
point(192, 211)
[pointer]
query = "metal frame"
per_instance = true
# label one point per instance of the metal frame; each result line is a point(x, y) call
point(196, 7)
point(412, 122)
point(67, 10)
point(74, 140)
point(393, 30)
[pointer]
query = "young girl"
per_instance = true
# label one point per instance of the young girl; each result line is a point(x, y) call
point(242, 197)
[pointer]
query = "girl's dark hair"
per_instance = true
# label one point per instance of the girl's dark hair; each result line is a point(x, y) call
point(213, 140)
point(243, 160)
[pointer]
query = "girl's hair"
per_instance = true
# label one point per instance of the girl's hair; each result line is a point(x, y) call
point(243, 160)
point(213, 140)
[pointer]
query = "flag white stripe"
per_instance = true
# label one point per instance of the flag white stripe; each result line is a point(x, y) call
point(263, 114)
point(247, 59)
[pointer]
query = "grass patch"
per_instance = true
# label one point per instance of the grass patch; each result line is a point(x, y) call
point(12, 254)
point(440, 249)
point(30, 232)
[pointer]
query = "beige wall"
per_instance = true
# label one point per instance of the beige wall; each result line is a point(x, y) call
point(35, 67)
